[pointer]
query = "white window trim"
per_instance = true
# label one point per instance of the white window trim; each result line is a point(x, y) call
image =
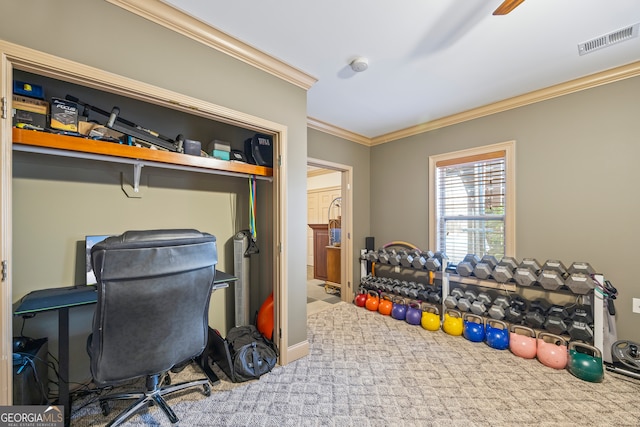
point(509, 148)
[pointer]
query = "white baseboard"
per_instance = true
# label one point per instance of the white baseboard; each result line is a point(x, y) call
point(297, 351)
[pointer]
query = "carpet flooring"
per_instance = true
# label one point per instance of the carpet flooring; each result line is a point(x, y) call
point(365, 369)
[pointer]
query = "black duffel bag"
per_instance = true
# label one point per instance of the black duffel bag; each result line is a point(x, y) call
point(244, 355)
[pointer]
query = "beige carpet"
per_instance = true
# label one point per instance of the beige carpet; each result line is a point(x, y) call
point(365, 369)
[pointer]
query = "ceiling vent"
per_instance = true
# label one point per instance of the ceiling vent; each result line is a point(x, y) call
point(609, 39)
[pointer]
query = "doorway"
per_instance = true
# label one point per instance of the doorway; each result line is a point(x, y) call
point(329, 247)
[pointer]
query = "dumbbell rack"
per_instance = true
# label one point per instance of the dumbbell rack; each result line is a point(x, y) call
point(597, 298)
point(445, 278)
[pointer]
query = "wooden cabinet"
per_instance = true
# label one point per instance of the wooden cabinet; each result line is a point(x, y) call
point(320, 243)
point(333, 264)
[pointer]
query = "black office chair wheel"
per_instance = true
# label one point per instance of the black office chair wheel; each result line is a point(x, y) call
point(167, 379)
point(104, 406)
point(207, 390)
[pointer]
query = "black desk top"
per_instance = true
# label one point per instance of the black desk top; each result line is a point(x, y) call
point(72, 296)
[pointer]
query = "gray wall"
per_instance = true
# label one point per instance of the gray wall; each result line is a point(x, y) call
point(576, 182)
point(330, 148)
point(96, 33)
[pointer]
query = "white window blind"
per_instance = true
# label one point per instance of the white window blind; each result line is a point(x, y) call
point(470, 205)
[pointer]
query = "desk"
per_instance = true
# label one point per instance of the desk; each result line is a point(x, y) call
point(62, 299)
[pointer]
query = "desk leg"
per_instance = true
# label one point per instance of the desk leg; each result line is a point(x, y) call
point(203, 362)
point(63, 360)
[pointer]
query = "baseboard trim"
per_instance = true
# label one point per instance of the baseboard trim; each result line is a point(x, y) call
point(297, 351)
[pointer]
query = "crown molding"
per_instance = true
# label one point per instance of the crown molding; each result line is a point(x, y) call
point(174, 19)
point(336, 131)
point(577, 85)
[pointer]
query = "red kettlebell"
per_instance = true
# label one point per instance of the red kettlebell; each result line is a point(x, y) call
point(414, 313)
point(360, 299)
point(385, 306)
point(399, 310)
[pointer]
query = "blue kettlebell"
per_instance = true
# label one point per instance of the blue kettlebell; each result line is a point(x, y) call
point(473, 327)
point(497, 334)
point(399, 310)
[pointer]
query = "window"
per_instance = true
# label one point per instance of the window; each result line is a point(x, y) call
point(471, 208)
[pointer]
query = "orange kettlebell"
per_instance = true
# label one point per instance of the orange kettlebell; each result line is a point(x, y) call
point(385, 306)
point(373, 300)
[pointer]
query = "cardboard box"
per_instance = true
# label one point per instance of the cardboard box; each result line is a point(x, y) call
point(64, 115)
point(30, 104)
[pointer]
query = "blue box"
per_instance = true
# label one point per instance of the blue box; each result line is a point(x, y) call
point(28, 89)
point(221, 154)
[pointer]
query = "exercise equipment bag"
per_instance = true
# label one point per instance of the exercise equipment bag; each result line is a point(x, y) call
point(245, 354)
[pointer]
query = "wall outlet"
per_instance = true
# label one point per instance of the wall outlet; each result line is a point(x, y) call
point(636, 305)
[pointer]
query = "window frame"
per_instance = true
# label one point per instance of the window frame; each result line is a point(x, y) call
point(479, 153)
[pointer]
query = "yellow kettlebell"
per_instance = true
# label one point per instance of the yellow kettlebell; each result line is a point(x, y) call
point(430, 317)
point(452, 323)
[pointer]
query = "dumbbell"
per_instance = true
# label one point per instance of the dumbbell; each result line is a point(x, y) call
point(451, 300)
point(438, 262)
point(406, 257)
point(527, 272)
point(464, 304)
point(405, 288)
point(383, 256)
point(371, 256)
point(412, 291)
point(510, 262)
point(516, 311)
point(580, 283)
point(423, 294)
point(466, 266)
point(497, 310)
point(465, 301)
point(579, 330)
point(503, 272)
point(552, 275)
point(420, 261)
point(484, 268)
point(435, 295)
point(395, 256)
point(557, 317)
point(536, 315)
point(581, 267)
point(396, 287)
point(481, 303)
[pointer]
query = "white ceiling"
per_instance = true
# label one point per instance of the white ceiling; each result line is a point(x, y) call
point(428, 59)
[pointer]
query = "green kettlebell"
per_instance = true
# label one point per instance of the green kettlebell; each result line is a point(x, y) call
point(585, 365)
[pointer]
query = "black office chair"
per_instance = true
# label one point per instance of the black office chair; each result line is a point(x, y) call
point(152, 313)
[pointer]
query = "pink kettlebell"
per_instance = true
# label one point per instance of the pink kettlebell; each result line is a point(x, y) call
point(552, 350)
point(522, 341)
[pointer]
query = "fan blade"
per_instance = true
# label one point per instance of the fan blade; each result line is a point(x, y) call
point(507, 6)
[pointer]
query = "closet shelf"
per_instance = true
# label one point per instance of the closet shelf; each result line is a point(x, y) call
point(70, 146)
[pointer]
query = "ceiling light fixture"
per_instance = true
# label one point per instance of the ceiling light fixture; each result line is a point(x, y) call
point(359, 64)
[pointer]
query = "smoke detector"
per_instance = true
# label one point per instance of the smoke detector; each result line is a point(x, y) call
point(359, 64)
